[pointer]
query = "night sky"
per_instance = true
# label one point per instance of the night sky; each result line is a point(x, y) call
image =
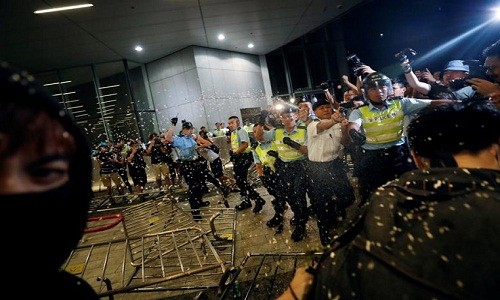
point(422, 25)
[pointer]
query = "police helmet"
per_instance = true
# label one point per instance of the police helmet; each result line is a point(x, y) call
point(376, 80)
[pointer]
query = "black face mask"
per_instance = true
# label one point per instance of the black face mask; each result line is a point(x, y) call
point(44, 227)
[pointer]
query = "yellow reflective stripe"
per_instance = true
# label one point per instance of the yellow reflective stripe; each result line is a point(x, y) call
point(387, 126)
point(383, 126)
point(264, 158)
point(286, 152)
point(235, 144)
point(395, 119)
point(234, 141)
point(384, 138)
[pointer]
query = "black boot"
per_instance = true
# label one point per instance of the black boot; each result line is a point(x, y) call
point(275, 221)
point(243, 205)
point(325, 238)
point(299, 232)
point(226, 189)
point(259, 204)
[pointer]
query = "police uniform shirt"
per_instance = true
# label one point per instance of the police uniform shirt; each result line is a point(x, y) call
point(410, 106)
point(186, 147)
point(218, 132)
point(242, 136)
point(324, 146)
point(270, 136)
point(264, 146)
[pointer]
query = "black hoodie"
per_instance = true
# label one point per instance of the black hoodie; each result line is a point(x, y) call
point(431, 234)
point(39, 230)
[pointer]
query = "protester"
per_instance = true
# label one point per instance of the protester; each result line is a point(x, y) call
point(45, 184)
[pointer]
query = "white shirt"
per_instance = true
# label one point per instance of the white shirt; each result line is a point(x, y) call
point(324, 146)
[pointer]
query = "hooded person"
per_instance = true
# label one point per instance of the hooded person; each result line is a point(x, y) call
point(45, 182)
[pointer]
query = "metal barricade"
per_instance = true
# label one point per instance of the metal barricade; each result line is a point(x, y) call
point(155, 247)
point(264, 275)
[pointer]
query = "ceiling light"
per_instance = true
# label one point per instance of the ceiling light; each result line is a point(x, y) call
point(221, 37)
point(138, 48)
point(251, 45)
point(109, 86)
point(44, 11)
point(54, 83)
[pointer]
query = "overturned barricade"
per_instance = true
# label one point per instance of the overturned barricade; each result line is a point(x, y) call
point(155, 246)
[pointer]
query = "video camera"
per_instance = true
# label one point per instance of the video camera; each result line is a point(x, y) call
point(404, 54)
point(355, 64)
point(327, 85)
point(476, 70)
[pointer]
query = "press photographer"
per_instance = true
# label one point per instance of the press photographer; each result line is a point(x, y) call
point(357, 67)
point(455, 74)
point(158, 151)
point(490, 89)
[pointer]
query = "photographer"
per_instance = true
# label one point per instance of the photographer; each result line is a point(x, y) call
point(492, 65)
point(158, 152)
point(454, 70)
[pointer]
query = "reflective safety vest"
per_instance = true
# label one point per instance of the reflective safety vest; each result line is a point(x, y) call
point(383, 126)
point(287, 153)
point(235, 142)
point(266, 160)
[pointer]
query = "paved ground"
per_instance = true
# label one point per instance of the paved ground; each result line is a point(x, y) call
point(252, 236)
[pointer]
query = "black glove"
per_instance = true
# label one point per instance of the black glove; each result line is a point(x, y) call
point(324, 85)
point(174, 121)
point(288, 141)
point(272, 153)
point(357, 137)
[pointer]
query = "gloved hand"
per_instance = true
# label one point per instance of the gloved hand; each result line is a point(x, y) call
point(288, 141)
point(174, 121)
point(324, 85)
point(357, 137)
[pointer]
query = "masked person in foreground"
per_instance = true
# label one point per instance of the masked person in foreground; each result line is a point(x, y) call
point(45, 185)
point(432, 233)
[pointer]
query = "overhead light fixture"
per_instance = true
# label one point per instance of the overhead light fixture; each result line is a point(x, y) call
point(221, 37)
point(251, 45)
point(138, 48)
point(44, 11)
point(109, 86)
point(54, 83)
point(68, 93)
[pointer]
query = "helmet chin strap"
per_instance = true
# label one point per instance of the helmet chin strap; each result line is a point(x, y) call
point(384, 102)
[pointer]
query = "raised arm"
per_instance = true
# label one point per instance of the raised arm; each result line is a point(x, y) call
point(412, 79)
